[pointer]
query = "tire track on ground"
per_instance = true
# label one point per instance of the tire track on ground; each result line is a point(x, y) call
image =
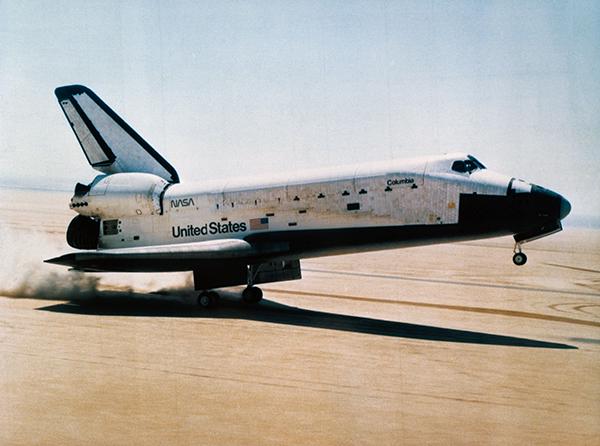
point(574, 268)
point(450, 282)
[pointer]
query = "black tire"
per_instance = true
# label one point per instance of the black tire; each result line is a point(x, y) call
point(207, 299)
point(214, 297)
point(252, 295)
point(519, 259)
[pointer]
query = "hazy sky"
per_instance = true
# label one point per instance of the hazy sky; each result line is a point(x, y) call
point(240, 88)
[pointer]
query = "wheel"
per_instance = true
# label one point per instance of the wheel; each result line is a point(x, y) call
point(519, 259)
point(252, 295)
point(207, 299)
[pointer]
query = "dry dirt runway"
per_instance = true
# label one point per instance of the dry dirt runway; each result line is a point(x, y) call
point(446, 344)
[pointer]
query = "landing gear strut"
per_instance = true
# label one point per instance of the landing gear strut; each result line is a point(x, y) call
point(207, 299)
point(252, 294)
point(519, 258)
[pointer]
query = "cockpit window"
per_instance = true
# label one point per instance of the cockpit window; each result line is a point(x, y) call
point(476, 162)
point(459, 166)
point(468, 165)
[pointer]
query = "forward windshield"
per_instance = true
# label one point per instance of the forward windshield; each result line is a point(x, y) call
point(467, 165)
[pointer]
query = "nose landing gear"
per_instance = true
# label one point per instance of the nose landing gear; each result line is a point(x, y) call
point(519, 258)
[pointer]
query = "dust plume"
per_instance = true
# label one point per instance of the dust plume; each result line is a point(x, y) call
point(24, 275)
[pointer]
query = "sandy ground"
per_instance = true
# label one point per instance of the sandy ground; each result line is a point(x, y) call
point(448, 344)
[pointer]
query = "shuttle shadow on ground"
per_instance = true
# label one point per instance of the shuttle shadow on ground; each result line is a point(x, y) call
point(230, 307)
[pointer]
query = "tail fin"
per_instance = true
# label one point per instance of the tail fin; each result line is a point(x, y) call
point(109, 144)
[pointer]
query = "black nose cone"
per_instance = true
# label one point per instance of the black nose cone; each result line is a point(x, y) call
point(549, 204)
point(565, 207)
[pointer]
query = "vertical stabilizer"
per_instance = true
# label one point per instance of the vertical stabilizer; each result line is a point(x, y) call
point(109, 143)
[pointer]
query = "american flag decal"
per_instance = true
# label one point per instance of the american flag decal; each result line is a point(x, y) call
point(259, 223)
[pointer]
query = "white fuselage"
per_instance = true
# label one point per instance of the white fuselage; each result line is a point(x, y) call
point(400, 193)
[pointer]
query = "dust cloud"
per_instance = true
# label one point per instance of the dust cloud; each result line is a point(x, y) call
point(24, 275)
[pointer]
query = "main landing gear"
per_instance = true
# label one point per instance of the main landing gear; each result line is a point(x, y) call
point(251, 294)
point(209, 299)
point(519, 258)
